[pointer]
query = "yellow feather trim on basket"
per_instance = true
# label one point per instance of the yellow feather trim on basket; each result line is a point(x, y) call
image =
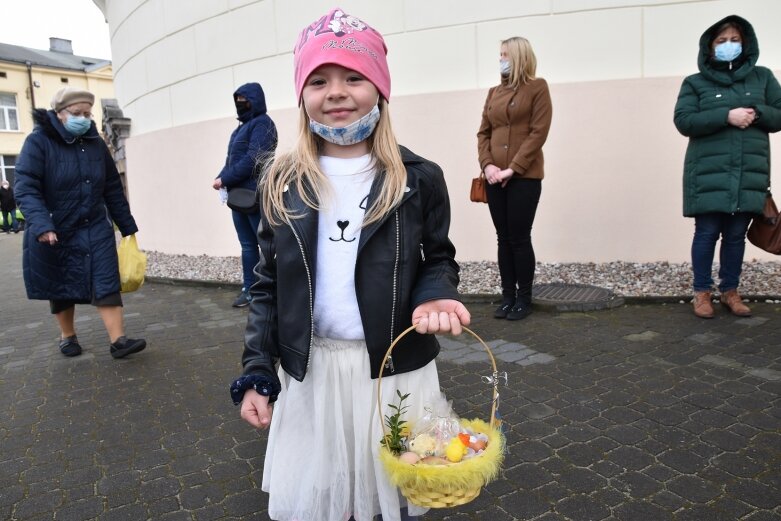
point(467, 474)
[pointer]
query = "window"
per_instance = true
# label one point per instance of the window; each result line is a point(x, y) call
point(63, 80)
point(8, 116)
point(7, 168)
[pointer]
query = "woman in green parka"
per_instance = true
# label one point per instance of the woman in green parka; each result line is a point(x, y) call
point(727, 111)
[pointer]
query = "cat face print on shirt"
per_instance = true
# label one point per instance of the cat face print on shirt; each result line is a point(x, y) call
point(343, 224)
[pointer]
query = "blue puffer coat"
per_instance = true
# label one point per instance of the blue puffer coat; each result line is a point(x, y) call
point(69, 185)
point(254, 138)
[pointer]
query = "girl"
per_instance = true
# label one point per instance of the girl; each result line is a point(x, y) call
point(354, 249)
point(515, 124)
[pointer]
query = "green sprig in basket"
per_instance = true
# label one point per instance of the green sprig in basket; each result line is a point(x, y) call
point(442, 486)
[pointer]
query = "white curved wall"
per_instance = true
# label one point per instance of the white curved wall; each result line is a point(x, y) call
point(613, 159)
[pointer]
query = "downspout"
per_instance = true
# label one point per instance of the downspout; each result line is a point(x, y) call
point(30, 80)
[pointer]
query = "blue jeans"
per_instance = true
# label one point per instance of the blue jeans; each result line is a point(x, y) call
point(247, 230)
point(14, 223)
point(707, 229)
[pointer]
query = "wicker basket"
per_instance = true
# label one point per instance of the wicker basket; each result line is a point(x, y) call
point(442, 486)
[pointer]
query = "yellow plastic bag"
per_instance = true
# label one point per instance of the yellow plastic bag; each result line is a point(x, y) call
point(132, 264)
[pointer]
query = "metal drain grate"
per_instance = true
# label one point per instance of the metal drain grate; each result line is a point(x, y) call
point(574, 297)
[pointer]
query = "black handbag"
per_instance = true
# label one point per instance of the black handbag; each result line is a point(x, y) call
point(244, 200)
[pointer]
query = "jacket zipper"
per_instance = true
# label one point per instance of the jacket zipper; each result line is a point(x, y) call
point(311, 310)
point(389, 363)
point(739, 163)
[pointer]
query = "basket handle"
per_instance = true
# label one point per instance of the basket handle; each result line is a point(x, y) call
point(390, 350)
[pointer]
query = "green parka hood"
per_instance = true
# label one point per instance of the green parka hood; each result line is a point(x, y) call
point(726, 73)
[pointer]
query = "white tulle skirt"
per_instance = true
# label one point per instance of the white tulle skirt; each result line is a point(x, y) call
point(321, 461)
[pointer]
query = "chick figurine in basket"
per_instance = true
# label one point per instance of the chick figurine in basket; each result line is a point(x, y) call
point(423, 445)
point(456, 450)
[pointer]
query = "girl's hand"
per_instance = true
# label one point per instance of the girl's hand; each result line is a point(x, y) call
point(741, 117)
point(440, 316)
point(48, 237)
point(255, 409)
point(217, 184)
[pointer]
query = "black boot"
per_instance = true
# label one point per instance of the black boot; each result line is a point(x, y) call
point(127, 346)
point(520, 310)
point(501, 311)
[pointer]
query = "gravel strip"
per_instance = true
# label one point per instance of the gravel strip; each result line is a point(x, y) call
point(627, 279)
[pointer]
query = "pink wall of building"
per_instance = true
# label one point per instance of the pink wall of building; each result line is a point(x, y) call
point(612, 189)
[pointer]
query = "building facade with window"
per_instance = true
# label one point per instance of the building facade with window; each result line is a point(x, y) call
point(29, 78)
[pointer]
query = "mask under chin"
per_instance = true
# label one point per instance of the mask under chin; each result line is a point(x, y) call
point(351, 134)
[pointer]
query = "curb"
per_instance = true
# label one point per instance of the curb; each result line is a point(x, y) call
point(193, 282)
point(653, 299)
point(478, 298)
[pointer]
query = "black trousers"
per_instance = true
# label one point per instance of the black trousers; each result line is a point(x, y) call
point(513, 209)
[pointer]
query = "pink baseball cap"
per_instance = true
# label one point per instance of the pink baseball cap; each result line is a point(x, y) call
point(341, 39)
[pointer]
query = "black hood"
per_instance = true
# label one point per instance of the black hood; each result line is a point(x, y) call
point(720, 72)
point(254, 93)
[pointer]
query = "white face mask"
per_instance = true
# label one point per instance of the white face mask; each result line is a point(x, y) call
point(353, 133)
point(504, 67)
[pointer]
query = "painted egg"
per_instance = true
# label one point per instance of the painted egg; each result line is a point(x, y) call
point(409, 457)
point(477, 445)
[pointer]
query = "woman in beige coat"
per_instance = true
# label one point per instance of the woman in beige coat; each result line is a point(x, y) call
point(515, 124)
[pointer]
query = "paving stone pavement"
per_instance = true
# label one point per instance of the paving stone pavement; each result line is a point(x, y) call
point(637, 413)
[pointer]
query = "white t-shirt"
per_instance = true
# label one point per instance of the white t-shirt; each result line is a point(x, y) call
point(336, 312)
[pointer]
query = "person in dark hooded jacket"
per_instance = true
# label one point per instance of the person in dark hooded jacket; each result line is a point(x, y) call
point(254, 140)
point(71, 195)
point(8, 207)
point(727, 111)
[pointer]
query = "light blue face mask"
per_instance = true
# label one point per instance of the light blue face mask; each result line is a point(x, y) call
point(351, 134)
point(727, 51)
point(504, 67)
point(77, 125)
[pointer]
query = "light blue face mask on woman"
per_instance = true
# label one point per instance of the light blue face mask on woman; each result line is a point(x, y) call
point(727, 51)
point(353, 133)
point(77, 125)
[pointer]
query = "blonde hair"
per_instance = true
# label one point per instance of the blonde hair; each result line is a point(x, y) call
point(300, 168)
point(523, 62)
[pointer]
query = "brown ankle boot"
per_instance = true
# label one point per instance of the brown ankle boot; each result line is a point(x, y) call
point(703, 307)
point(732, 300)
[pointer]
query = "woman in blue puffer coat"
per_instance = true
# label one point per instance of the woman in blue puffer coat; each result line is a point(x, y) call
point(71, 195)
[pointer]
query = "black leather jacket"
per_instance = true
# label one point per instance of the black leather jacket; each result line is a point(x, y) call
point(404, 260)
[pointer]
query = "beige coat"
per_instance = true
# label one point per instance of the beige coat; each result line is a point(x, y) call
point(514, 127)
